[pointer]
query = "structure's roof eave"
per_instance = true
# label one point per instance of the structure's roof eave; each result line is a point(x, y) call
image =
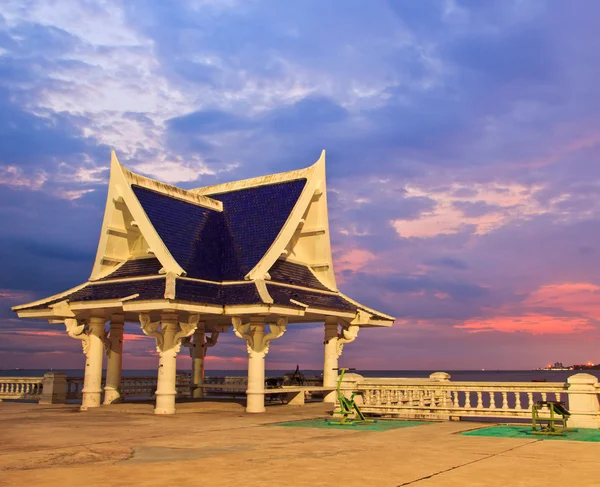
point(55, 297)
point(366, 308)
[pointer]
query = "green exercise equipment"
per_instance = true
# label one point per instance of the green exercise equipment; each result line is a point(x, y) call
point(347, 407)
point(558, 414)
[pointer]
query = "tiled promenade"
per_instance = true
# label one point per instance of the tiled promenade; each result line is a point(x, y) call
point(217, 444)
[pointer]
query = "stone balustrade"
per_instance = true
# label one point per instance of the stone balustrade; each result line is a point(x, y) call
point(21, 387)
point(437, 397)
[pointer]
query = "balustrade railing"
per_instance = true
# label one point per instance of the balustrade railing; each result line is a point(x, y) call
point(21, 387)
point(435, 397)
point(443, 399)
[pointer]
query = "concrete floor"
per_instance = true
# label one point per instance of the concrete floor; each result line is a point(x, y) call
point(218, 444)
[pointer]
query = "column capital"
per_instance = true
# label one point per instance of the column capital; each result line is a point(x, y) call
point(97, 321)
point(169, 317)
point(257, 342)
point(169, 321)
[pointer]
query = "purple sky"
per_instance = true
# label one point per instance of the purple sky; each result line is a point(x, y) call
point(463, 141)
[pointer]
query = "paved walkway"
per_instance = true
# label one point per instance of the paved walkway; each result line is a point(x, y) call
point(217, 444)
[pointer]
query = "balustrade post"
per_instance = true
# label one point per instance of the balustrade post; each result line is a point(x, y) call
point(54, 388)
point(114, 350)
point(583, 401)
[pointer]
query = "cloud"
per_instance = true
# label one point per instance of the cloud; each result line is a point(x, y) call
point(461, 140)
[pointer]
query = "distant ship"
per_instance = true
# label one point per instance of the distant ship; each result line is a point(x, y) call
point(556, 366)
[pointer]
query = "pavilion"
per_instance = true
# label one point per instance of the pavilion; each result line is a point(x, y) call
point(188, 263)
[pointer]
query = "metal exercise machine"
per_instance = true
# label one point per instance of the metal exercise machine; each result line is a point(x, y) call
point(558, 414)
point(347, 406)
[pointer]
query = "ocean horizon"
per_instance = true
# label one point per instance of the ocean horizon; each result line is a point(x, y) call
point(496, 375)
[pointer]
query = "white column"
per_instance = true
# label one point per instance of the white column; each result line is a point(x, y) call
point(199, 352)
point(167, 366)
point(330, 360)
point(255, 394)
point(257, 343)
point(115, 360)
point(168, 344)
point(92, 381)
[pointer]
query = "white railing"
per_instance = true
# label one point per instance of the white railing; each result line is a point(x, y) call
point(21, 387)
point(458, 399)
point(437, 397)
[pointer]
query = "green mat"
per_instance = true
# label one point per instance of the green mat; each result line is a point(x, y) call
point(524, 432)
point(380, 425)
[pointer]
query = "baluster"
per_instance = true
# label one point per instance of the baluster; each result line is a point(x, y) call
point(421, 398)
point(467, 399)
point(455, 399)
point(557, 396)
point(492, 400)
point(479, 400)
point(529, 400)
point(544, 396)
point(504, 400)
point(518, 400)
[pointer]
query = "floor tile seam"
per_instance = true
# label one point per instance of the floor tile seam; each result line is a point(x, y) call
point(456, 467)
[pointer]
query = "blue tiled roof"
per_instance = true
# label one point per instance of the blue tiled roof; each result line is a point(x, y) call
point(136, 268)
point(254, 217)
point(146, 288)
point(282, 295)
point(296, 274)
point(207, 293)
point(217, 246)
point(195, 236)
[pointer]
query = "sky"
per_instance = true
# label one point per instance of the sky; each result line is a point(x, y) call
point(463, 151)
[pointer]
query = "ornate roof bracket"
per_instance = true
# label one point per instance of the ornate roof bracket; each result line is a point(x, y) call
point(348, 335)
point(255, 342)
point(78, 331)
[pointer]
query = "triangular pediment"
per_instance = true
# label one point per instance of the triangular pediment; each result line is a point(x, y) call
point(127, 231)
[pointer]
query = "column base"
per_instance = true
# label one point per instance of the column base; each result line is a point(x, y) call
point(255, 402)
point(91, 400)
point(165, 404)
point(111, 396)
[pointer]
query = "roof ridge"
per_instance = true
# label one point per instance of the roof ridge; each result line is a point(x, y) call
point(254, 182)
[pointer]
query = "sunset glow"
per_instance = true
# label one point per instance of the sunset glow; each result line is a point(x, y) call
point(463, 172)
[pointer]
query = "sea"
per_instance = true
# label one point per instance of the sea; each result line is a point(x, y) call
point(455, 375)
